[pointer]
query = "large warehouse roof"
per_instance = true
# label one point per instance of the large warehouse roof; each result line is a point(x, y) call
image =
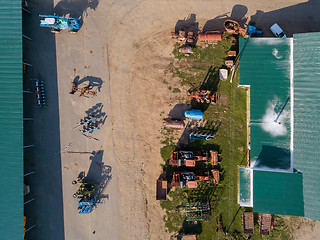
point(306, 54)
point(11, 121)
point(265, 65)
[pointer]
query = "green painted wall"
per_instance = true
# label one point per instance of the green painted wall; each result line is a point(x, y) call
point(11, 121)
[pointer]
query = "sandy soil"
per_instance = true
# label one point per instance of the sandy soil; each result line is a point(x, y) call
point(125, 43)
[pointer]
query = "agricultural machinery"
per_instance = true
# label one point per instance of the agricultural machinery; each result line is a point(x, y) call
point(89, 129)
point(252, 30)
point(84, 91)
point(205, 96)
point(201, 135)
point(85, 120)
point(85, 188)
point(196, 211)
point(85, 194)
point(232, 26)
point(189, 158)
point(187, 179)
point(57, 23)
point(86, 204)
point(41, 93)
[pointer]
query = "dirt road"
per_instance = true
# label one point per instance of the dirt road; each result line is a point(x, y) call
point(126, 44)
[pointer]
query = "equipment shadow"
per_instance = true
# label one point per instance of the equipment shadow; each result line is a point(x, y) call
point(89, 80)
point(75, 8)
point(99, 173)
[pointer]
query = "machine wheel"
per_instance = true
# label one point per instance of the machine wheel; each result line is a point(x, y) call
point(55, 30)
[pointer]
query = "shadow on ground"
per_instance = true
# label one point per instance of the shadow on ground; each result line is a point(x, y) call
point(75, 8)
point(99, 173)
point(188, 24)
point(46, 211)
point(100, 115)
point(177, 113)
point(94, 82)
point(299, 18)
point(238, 14)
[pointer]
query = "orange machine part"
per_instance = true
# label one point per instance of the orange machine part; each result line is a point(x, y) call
point(210, 37)
point(192, 184)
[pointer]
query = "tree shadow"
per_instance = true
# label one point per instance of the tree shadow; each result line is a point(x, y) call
point(217, 24)
point(89, 80)
point(75, 8)
point(191, 227)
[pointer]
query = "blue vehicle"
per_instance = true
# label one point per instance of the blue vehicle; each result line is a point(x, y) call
point(57, 23)
point(252, 30)
point(194, 114)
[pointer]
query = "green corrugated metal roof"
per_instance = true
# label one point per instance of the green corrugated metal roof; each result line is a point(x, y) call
point(278, 193)
point(11, 121)
point(265, 66)
point(307, 118)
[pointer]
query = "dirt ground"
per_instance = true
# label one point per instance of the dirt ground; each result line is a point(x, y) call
point(125, 46)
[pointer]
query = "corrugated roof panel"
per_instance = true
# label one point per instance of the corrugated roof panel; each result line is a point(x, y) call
point(306, 117)
point(265, 66)
point(11, 121)
point(278, 193)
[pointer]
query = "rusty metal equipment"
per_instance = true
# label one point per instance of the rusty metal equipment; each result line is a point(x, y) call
point(232, 26)
point(162, 186)
point(188, 179)
point(210, 37)
point(265, 223)
point(202, 135)
point(204, 96)
point(84, 91)
point(174, 124)
point(189, 158)
point(247, 222)
point(187, 50)
point(196, 211)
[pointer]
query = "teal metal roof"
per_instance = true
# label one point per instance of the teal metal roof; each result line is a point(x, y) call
point(278, 193)
point(307, 118)
point(265, 66)
point(11, 121)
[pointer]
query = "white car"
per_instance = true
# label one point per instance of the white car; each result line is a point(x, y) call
point(277, 31)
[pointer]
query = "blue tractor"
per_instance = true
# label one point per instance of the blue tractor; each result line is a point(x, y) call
point(252, 30)
point(57, 23)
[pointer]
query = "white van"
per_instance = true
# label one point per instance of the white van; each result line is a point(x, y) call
point(277, 31)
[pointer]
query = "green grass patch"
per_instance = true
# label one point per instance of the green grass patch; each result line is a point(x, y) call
point(176, 90)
